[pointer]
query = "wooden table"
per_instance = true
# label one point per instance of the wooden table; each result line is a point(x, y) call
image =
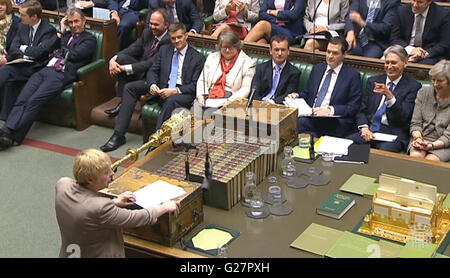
point(271, 237)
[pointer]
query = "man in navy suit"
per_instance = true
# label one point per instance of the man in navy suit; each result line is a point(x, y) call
point(172, 81)
point(180, 11)
point(131, 64)
point(422, 27)
point(368, 26)
point(276, 78)
point(334, 93)
point(126, 14)
point(388, 104)
point(35, 39)
point(77, 50)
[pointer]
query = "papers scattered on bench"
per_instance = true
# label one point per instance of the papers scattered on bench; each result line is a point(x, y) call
point(156, 193)
point(215, 102)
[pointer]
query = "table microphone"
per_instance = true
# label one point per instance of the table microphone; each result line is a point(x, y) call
point(250, 99)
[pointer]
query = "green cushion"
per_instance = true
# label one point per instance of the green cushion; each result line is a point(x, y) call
point(425, 83)
point(364, 77)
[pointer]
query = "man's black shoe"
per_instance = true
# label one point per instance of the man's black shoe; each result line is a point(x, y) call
point(5, 142)
point(113, 143)
point(114, 111)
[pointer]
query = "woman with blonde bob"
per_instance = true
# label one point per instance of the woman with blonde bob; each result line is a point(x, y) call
point(94, 223)
point(430, 124)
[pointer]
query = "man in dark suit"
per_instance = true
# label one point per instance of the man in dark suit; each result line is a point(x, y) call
point(388, 104)
point(368, 25)
point(34, 41)
point(276, 78)
point(126, 14)
point(334, 93)
point(77, 50)
point(131, 64)
point(422, 27)
point(180, 11)
point(172, 81)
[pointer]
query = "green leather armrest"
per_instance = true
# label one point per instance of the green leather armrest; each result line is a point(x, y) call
point(151, 111)
point(90, 67)
point(209, 20)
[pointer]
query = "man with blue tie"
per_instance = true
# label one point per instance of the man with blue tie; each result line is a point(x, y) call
point(334, 93)
point(126, 14)
point(368, 26)
point(180, 11)
point(77, 48)
point(388, 104)
point(276, 78)
point(34, 41)
point(172, 81)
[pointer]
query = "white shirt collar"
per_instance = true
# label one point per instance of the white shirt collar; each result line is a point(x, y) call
point(336, 69)
point(281, 67)
point(425, 13)
point(183, 51)
point(388, 80)
point(36, 25)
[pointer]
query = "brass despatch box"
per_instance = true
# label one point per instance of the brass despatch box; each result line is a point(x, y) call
point(168, 229)
point(263, 120)
point(405, 210)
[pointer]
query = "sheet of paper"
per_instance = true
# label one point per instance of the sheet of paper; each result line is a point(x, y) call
point(300, 103)
point(100, 13)
point(334, 145)
point(215, 102)
point(209, 239)
point(157, 193)
point(18, 61)
point(384, 137)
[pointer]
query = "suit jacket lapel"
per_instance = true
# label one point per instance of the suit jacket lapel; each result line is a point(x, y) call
point(428, 21)
point(409, 23)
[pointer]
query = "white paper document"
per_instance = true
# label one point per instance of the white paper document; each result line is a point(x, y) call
point(303, 108)
point(101, 13)
point(215, 102)
point(334, 145)
point(384, 137)
point(156, 193)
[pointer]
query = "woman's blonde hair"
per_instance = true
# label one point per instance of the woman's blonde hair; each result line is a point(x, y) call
point(89, 164)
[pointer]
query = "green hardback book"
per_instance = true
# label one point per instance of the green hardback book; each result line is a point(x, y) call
point(336, 205)
point(360, 185)
point(351, 245)
point(317, 239)
point(414, 249)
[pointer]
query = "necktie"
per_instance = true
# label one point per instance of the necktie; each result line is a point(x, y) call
point(174, 70)
point(369, 19)
point(171, 15)
point(31, 36)
point(276, 79)
point(153, 48)
point(418, 32)
point(376, 122)
point(324, 89)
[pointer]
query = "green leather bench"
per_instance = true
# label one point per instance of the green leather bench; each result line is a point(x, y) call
point(150, 112)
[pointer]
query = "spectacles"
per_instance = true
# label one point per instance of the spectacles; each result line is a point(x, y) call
point(228, 48)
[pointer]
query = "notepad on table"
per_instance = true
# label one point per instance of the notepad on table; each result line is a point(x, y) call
point(361, 185)
point(317, 239)
point(156, 193)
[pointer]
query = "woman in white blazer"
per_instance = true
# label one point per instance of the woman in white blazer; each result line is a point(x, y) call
point(213, 85)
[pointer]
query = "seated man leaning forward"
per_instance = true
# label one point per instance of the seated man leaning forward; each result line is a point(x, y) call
point(334, 93)
point(388, 104)
point(276, 78)
point(77, 48)
point(430, 123)
point(227, 74)
point(92, 222)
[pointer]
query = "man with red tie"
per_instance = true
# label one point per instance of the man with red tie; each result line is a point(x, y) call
point(77, 50)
